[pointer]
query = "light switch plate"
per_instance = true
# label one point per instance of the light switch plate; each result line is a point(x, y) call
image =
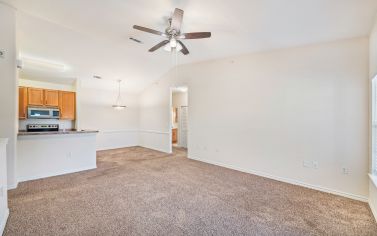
point(1, 191)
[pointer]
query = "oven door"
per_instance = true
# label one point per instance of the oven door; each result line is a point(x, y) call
point(39, 113)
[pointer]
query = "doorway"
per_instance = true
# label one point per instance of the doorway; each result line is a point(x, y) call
point(179, 117)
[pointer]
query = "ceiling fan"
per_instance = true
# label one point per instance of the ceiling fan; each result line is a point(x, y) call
point(173, 34)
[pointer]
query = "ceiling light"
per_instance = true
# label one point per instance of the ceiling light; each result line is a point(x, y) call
point(168, 47)
point(118, 102)
point(39, 64)
point(173, 43)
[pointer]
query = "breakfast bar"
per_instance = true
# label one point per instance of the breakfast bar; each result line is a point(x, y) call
point(45, 154)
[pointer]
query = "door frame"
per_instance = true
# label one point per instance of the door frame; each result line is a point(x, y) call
point(372, 124)
point(171, 90)
point(180, 126)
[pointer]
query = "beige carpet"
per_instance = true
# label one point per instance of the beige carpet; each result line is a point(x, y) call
point(137, 191)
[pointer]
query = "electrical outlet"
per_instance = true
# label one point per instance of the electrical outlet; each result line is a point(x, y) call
point(315, 164)
point(307, 164)
point(345, 171)
point(310, 164)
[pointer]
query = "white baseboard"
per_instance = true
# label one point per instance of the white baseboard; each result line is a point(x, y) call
point(374, 209)
point(3, 221)
point(154, 131)
point(27, 178)
point(287, 180)
point(13, 186)
point(154, 148)
point(115, 147)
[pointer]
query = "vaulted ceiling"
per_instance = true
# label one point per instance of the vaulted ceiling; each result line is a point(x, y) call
point(91, 36)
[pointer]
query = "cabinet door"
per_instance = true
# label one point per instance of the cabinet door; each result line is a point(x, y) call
point(67, 104)
point(35, 96)
point(22, 102)
point(51, 98)
point(174, 136)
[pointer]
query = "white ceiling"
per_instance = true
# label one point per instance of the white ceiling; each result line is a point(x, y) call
point(91, 36)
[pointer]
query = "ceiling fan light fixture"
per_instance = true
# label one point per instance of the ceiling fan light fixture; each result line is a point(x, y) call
point(173, 43)
point(168, 48)
point(173, 34)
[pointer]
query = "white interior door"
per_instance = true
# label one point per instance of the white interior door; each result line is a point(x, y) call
point(182, 137)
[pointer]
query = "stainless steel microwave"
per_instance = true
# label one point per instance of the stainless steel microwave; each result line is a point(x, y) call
point(43, 113)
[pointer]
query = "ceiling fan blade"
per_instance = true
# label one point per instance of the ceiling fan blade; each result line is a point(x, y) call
point(176, 20)
point(195, 35)
point(163, 43)
point(184, 50)
point(152, 31)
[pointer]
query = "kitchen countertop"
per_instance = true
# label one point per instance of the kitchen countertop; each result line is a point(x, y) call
point(72, 131)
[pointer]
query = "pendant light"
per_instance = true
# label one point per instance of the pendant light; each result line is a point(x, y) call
point(118, 102)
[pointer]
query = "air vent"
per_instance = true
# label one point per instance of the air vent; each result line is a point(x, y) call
point(135, 40)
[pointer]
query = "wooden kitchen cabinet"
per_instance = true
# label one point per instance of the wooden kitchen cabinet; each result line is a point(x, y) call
point(67, 105)
point(35, 96)
point(22, 102)
point(174, 135)
point(51, 98)
point(66, 101)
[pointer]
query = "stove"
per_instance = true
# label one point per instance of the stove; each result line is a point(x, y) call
point(42, 127)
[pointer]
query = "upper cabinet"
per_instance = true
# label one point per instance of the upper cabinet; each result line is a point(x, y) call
point(51, 98)
point(43, 97)
point(22, 102)
point(67, 105)
point(35, 97)
point(66, 101)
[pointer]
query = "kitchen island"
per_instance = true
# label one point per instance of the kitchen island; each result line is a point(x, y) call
point(46, 154)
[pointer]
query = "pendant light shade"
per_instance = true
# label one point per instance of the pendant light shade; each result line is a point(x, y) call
point(118, 104)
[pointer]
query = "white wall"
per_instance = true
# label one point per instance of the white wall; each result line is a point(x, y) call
point(267, 113)
point(8, 87)
point(4, 211)
point(179, 99)
point(372, 74)
point(154, 113)
point(117, 128)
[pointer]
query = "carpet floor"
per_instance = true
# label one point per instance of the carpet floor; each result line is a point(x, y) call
point(137, 191)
